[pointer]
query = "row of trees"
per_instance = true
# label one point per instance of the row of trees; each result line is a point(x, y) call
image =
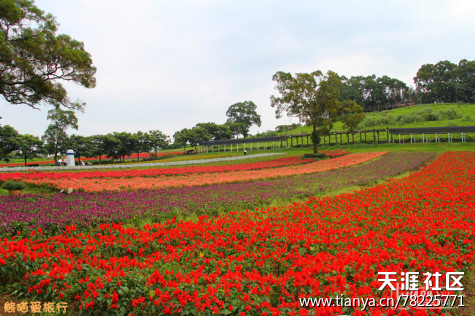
point(241, 116)
point(375, 93)
point(114, 145)
point(446, 82)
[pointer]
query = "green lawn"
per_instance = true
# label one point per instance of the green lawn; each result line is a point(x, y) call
point(424, 115)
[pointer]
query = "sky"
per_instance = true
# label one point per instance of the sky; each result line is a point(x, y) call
point(170, 64)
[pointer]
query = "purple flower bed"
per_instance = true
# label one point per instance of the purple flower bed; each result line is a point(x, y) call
point(82, 209)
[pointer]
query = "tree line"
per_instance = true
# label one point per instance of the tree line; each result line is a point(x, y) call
point(118, 145)
point(113, 145)
point(443, 82)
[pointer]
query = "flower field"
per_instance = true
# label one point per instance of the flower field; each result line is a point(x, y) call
point(198, 178)
point(259, 262)
point(83, 209)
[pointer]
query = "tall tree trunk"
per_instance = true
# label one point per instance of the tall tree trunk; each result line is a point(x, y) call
point(315, 144)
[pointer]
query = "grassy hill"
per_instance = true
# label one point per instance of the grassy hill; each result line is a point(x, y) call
point(424, 115)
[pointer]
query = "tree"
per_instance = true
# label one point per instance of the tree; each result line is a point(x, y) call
point(192, 137)
point(30, 147)
point(9, 141)
point(243, 113)
point(128, 144)
point(55, 135)
point(437, 83)
point(351, 114)
point(107, 145)
point(182, 137)
point(465, 81)
point(237, 128)
point(158, 140)
point(34, 59)
point(313, 98)
point(143, 143)
point(83, 146)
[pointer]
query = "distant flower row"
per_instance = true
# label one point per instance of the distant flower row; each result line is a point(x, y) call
point(153, 172)
point(193, 179)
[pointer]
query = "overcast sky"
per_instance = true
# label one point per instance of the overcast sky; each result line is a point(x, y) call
point(172, 64)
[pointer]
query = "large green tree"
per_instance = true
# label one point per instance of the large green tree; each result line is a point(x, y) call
point(34, 60)
point(241, 116)
point(314, 98)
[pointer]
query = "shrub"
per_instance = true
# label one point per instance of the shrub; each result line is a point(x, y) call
point(450, 114)
point(13, 185)
point(314, 156)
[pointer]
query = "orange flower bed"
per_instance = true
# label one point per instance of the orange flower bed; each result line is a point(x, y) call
point(136, 183)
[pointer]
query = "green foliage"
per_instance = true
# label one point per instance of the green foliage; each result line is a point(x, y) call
point(192, 137)
point(35, 59)
point(13, 185)
point(30, 147)
point(9, 141)
point(373, 92)
point(446, 82)
point(314, 156)
point(314, 99)
point(241, 116)
point(215, 131)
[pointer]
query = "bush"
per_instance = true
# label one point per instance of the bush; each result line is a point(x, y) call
point(13, 185)
point(315, 156)
point(450, 114)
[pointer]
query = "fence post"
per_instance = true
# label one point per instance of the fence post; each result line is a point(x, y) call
point(374, 135)
point(462, 137)
point(399, 138)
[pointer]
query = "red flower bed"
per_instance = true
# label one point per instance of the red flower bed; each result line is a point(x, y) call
point(261, 262)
